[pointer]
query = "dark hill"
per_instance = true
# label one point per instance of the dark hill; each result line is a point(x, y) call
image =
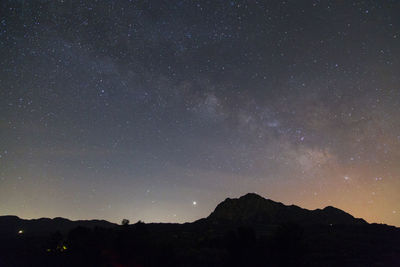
point(254, 209)
point(10, 225)
point(248, 231)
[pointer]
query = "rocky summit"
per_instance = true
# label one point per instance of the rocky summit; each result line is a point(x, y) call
point(252, 208)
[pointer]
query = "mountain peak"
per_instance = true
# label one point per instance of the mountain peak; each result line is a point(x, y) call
point(243, 208)
point(253, 208)
point(251, 196)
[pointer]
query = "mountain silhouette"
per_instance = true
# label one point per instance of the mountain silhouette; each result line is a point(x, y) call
point(250, 209)
point(9, 225)
point(247, 231)
point(254, 209)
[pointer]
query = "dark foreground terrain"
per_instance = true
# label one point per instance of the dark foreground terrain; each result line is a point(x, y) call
point(249, 231)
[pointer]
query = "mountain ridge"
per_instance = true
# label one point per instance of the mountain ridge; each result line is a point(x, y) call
point(11, 224)
point(250, 208)
point(253, 208)
point(246, 231)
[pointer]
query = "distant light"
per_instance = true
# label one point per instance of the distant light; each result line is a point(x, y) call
point(194, 203)
point(62, 248)
point(20, 231)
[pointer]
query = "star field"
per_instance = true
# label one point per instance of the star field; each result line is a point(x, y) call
point(159, 110)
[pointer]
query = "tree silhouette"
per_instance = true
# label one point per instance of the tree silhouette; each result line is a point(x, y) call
point(125, 222)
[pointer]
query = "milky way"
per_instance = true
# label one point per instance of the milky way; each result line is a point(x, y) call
point(159, 110)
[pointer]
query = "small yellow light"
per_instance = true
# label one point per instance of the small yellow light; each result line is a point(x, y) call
point(20, 231)
point(64, 247)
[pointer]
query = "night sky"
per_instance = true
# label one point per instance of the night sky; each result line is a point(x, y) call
point(159, 110)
